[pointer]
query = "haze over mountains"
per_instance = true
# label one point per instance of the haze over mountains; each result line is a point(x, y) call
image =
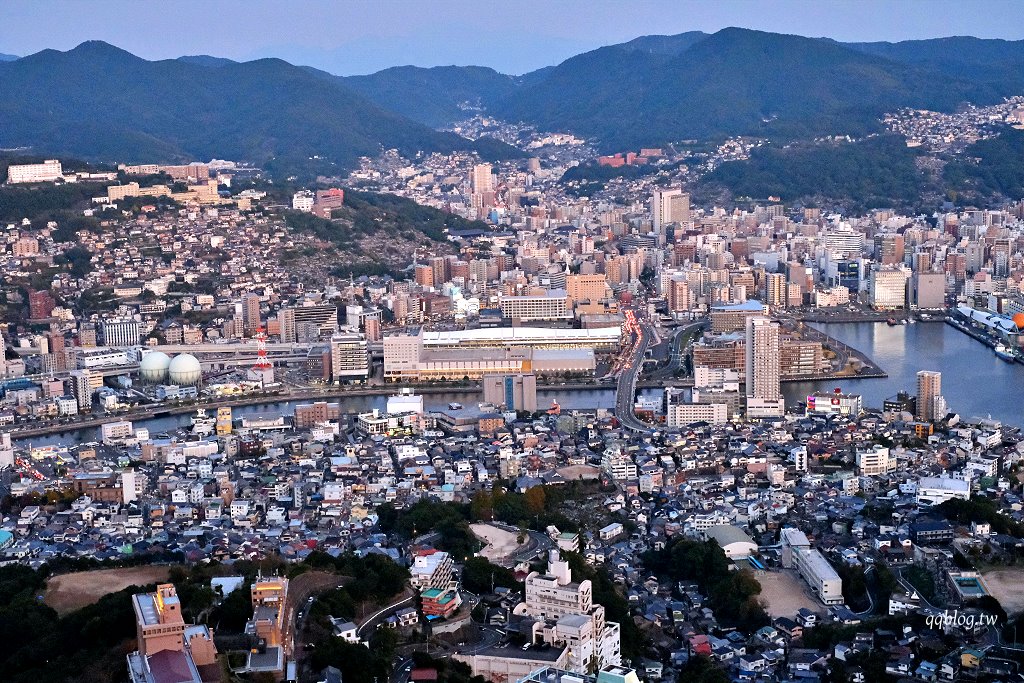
point(100, 102)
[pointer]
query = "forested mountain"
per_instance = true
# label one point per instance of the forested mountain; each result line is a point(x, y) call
point(734, 82)
point(433, 96)
point(100, 102)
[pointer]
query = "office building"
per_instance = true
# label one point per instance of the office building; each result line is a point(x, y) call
point(515, 392)
point(553, 305)
point(928, 290)
point(930, 404)
point(888, 287)
point(763, 376)
point(683, 414)
point(350, 358)
point(120, 333)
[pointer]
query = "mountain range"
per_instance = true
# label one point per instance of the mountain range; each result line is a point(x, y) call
point(99, 102)
point(102, 103)
point(658, 89)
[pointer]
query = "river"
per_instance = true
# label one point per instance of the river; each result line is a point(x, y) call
point(580, 398)
point(975, 382)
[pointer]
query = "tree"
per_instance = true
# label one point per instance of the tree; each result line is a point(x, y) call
point(536, 499)
point(480, 576)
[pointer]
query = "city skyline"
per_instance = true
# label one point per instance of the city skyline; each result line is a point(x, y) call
point(354, 39)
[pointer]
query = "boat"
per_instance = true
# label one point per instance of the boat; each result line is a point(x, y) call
point(1005, 353)
point(454, 406)
point(891, 322)
point(203, 424)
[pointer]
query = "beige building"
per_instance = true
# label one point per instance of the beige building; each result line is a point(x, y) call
point(763, 373)
point(929, 395)
point(167, 645)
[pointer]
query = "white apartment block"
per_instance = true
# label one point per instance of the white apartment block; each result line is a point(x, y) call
point(875, 461)
point(432, 571)
point(46, 172)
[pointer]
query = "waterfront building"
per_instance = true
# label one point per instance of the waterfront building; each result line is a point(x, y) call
point(515, 392)
point(929, 395)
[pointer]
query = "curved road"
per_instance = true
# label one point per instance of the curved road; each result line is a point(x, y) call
point(626, 388)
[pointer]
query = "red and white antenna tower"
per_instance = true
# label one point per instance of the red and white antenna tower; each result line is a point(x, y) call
point(262, 362)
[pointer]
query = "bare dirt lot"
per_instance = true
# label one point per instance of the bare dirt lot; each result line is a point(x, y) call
point(500, 543)
point(68, 592)
point(784, 593)
point(1007, 586)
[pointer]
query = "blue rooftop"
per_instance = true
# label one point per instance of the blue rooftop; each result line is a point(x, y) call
point(749, 305)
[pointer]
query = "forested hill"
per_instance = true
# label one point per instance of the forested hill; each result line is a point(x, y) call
point(102, 103)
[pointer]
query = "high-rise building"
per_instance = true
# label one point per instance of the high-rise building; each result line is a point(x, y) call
point(83, 384)
point(775, 292)
point(515, 392)
point(250, 313)
point(888, 287)
point(350, 359)
point(286, 325)
point(554, 596)
point(482, 179)
point(763, 374)
point(889, 249)
point(664, 204)
point(929, 395)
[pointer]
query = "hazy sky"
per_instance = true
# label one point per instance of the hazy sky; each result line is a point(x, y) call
point(360, 36)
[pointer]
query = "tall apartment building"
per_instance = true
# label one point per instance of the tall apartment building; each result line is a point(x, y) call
point(929, 395)
point(350, 358)
point(250, 313)
point(515, 392)
point(46, 172)
point(83, 384)
point(119, 333)
point(763, 375)
point(481, 179)
point(40, 304)
point(775, 290)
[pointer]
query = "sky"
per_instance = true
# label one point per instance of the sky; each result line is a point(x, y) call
point(361, 36)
